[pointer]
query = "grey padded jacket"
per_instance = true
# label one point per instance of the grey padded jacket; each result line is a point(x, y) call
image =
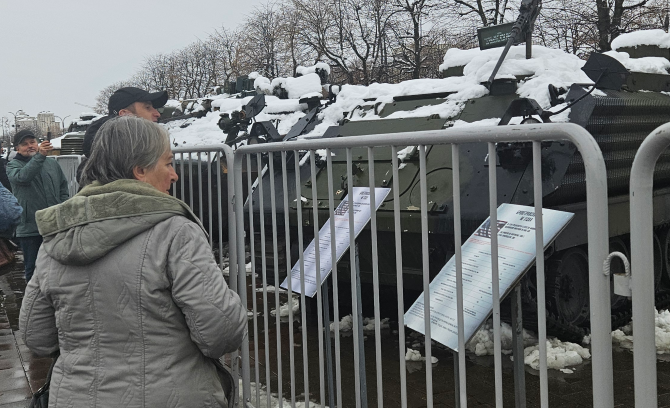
point(127, 288)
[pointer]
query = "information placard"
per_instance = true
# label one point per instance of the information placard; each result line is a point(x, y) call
point(516, 253)
point(361, 213)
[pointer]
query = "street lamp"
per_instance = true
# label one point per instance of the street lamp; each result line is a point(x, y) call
point(18, 112)
point(62, 122)
point(4, 122)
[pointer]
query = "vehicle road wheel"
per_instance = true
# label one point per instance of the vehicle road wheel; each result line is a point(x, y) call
point(568, 286)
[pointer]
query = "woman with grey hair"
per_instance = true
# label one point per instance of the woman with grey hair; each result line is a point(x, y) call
point(126, 286)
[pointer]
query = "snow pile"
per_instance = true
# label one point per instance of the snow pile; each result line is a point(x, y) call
point(173, 103)
point(263, 85)
point(623, 337)
point(302, 86)
point(205, 131)
point(226, 270)
point(559, 355)
point(481, 343)
point(292, 304)
point(346, 324)
point(656, 37)
point(650, 65)
point(274, 401)
point(311, 70)
point(415, 355)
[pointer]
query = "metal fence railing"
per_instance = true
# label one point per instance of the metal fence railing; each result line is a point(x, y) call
point(642, 258)
point(69, 163)
point(288, 353)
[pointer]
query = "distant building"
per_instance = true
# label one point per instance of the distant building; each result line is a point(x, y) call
point(26, 122)
point(47, 123)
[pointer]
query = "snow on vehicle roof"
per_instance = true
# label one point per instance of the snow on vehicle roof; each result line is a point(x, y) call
point(643, 37)
point(309, 70)
point(547, 66)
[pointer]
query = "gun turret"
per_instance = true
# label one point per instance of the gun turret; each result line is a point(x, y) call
point(521, 31)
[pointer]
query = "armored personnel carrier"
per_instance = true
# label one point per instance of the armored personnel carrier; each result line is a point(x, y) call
point(619, 97)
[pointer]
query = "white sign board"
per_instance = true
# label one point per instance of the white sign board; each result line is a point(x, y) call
point(516, 253)
point(362, 212)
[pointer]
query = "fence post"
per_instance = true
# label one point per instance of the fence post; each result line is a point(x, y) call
point(642, 256)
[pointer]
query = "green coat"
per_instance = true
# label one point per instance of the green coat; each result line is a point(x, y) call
point(37, 184)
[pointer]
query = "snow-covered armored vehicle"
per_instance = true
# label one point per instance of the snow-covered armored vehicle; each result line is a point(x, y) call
point(619, 97)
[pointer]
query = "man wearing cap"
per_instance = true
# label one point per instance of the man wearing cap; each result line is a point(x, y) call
point(37, 182)
point(125, 102)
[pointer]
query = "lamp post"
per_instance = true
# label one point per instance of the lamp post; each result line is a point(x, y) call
point(18, 112)
point(62, 122)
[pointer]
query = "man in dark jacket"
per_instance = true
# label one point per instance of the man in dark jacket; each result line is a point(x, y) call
point(128, 101)
point(37, 182)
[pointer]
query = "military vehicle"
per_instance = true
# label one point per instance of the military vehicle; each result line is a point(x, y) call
point(619, 108)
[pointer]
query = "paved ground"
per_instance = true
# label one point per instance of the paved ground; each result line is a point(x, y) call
point(21, 372)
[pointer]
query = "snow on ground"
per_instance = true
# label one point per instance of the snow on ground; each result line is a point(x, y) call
point(415, 355)
point(560, 355)
point(292, 303)
point(346, 324)
point(226, 270)
point(623, 337)
point(273, 400)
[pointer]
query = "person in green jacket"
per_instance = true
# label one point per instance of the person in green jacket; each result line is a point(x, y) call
point(37, 182)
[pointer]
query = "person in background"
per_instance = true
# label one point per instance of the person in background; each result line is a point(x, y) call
point(3, 172)
point(127, 287)
point(10, 212)
point(128, 101)
point(37, 182)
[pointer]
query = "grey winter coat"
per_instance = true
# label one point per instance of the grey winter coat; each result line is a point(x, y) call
point(127, 288)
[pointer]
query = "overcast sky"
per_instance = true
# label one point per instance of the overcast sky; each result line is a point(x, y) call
point(56, 53)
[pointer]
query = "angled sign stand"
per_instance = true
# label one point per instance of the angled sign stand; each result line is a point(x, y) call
point(516, 254)
point(361, 216)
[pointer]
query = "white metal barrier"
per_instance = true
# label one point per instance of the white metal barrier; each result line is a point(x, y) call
point(642, 257)
point(270, 355)
point(69, 163)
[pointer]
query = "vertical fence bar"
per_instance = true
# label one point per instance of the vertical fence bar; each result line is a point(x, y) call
point(181, 175)
point(319, 298)
point(495, 280)
point(275, 256)
point(209, 197)
point(539, 270)
point(336, 298)
point(354, 278)
point(190, 180)
point(399, 279)
point(456, 189)
point(266, 324)
point(201, 187)
point(375, 277)
point(642, 256)
point(218, 196)
point(303, 307)
point(237, 283)
point(253, 275)
point(289, 275)
point(426, 274)
point(239, 227)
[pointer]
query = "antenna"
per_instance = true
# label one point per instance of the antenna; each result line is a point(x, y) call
point(86, 106)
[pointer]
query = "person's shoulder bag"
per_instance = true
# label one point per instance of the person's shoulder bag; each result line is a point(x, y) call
point(41, 397)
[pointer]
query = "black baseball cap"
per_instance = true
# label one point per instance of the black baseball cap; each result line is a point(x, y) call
point(20, 135)
point(124, 97)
